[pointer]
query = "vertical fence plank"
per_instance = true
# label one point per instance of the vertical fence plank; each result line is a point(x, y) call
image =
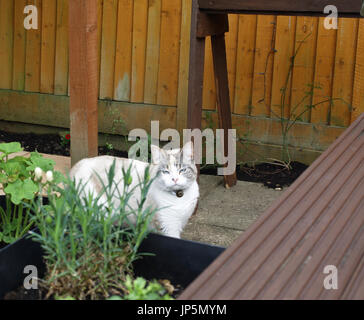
point(6, 40)
point(108, 48)
point(61, 63)
point(324, 71)
point(231, 47)
point(304, 67)
point(33, 52)
point(122, 80)
point(153, 47)
point(100, 6)
point(245, 63)
point(19, 46)
point(140, 20)
point(263, 65)
point(209, 89)
point(344, 71)
point(49, 12)
point(169, 52)
point(285, 35)
point(358, 94)
point(184, 60)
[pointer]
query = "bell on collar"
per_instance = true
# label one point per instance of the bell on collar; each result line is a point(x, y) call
point(179, 193)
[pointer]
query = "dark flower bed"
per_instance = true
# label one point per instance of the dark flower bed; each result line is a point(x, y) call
point(271, 175)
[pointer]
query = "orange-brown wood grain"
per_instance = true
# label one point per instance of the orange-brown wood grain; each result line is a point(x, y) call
point(153, 49)
point(122, 72)
point(304, 67)
point(324, 72)
point(108, 47)
point(245, 64)
point(33, 52)
point(49, 14)
point(169, 52)
point(263, 65)
point(140, 25)
point(6, 40)
point(61, 63)
point(358, 94)
point(284, 47)
point(19, 46)
point(344, 72)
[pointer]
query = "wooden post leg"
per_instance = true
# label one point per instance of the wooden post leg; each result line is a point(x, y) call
point(196, 73)
point(83, 57)
point(222, 91)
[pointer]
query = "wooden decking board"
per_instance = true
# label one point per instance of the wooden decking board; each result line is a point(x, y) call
point(284, 255)
point(318, 261)
point(302, 251)
point(346, 266)
point(317, 220)
point(233, 281)
point(270, 257)
point(355, 289)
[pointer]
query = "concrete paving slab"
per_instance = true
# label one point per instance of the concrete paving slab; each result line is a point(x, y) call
point(224, 214)
point(206, 233)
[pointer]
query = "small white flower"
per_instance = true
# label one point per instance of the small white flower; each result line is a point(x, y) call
point(38, 172)
point(49, 176)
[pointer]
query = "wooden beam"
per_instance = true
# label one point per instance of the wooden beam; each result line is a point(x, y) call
point(222, 91)
point(196, 72)
point(211, 24)
point(346, 8)
point(83, 57)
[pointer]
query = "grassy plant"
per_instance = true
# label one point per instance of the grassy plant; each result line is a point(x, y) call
point(87, 254)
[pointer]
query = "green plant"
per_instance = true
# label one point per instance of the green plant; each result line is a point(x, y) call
point(65, 139)
point(137, 289)
point(118, 125)
point(140, 289)
point(19, 183)
point(297, 111)
point(109, 147)
point(87, 254)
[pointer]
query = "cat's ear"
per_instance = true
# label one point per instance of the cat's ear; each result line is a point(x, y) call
point(158, 154)
point(187, 152)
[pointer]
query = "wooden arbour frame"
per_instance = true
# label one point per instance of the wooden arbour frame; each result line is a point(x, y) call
point(209, 18)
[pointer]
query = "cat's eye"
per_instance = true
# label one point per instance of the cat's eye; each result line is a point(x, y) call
point(183, 170)
point(165, 171)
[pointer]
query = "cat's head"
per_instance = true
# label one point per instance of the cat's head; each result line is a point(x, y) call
point(176, 168)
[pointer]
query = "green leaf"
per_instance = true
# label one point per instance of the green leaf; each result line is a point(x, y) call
point(115, 298)
point(15, 167)
point(3, 178)
point(11, 147)
point(20, 190)
point(37, 160)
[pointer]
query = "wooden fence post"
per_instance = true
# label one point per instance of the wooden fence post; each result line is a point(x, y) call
point(83, 57)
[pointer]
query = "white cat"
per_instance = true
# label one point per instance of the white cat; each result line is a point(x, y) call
point(174, 191)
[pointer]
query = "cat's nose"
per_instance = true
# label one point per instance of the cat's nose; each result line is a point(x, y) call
point(175, 180)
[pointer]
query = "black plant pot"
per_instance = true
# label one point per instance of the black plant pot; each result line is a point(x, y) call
point(177, 260)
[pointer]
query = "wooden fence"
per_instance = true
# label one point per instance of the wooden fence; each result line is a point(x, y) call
point(144, 57)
